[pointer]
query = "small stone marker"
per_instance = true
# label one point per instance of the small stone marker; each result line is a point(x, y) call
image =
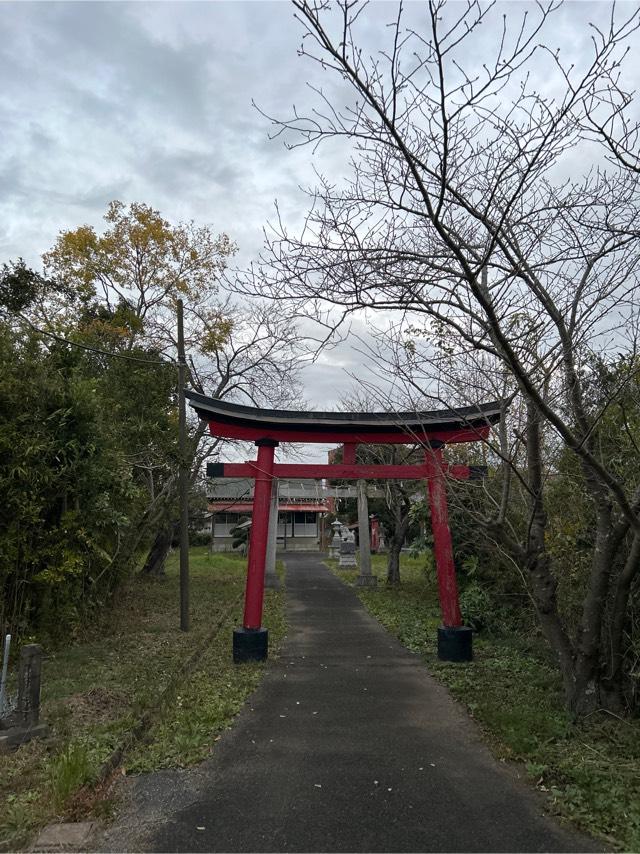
point(347, 553)
point(68, 836)
point(23, 724)
point(29, 677)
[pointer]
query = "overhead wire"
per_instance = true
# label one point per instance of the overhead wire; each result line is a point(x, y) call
point(77, 344)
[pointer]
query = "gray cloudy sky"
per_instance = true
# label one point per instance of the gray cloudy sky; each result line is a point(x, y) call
point(152, 102)
point(142, 101)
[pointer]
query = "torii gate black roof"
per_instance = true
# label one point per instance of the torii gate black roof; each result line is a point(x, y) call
point(246, 422)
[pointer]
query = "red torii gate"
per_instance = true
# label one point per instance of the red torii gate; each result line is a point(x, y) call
point(268, 427)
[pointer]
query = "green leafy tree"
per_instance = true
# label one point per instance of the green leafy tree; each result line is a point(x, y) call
point(88, 425)
point(71, 499)
point(140, 263)
point(130, 277)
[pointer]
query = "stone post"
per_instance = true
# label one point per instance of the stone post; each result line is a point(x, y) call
point(271, 579)
point(347, 553)
point(29, 676)
point(24, 724)
point(365, 579)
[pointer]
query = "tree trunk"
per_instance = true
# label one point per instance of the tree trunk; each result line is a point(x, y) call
point(543, 588)
point(586, 695)
point(154, 564)
point(393, 562)
point(542, 583)
point(395, 547)
point(612, 685)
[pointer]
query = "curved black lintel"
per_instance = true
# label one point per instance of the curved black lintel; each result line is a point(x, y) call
point(209, 408)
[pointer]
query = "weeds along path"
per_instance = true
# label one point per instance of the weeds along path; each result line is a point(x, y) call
point(119, 683)
point(588, 772)
point(347, 745)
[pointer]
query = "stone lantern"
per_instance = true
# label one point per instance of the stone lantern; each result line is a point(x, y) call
point(336, 539)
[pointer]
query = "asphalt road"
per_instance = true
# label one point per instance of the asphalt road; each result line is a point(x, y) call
point(348, 745)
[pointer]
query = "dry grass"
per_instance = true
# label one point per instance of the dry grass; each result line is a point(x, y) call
point(95, 690)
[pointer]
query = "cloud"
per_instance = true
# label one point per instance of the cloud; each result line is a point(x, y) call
point(153, 102)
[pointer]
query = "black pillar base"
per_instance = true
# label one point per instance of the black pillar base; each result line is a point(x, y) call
point(455, 644)
point(250, 645)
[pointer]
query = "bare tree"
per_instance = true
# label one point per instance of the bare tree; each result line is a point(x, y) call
point(469, 208)
point(248, 354)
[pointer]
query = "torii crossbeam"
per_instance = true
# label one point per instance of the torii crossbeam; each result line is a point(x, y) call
point(268, 427)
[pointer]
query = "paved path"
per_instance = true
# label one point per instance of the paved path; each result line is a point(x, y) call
point(348, 745)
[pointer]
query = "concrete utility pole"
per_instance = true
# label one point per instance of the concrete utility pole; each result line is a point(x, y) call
point(183, 481)
point(365, 579)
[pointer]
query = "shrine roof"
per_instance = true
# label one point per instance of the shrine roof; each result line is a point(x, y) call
point(466, 423)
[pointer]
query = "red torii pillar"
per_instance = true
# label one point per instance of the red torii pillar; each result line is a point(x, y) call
point(250, 643)
point(454, 639)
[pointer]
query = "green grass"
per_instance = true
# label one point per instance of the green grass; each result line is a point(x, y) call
point(69, 770)
point(94, 691)
point(590, 771)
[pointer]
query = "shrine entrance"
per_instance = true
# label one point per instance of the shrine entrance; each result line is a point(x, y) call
point(268, 427)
